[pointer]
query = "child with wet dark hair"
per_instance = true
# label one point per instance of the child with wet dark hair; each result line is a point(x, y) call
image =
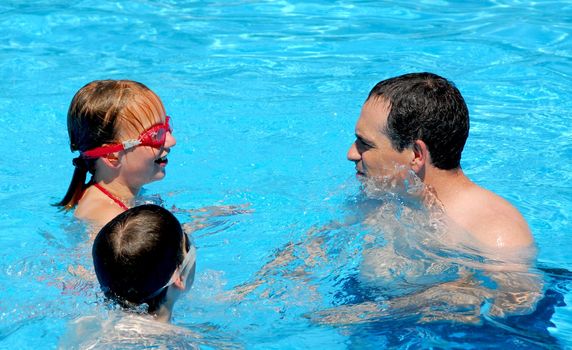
point(142, 258)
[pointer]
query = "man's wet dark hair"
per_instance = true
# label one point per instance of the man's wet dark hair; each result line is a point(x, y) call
point(427, 107)
point(136, 254)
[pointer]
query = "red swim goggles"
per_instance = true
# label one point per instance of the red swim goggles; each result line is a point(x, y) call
point(155, 137)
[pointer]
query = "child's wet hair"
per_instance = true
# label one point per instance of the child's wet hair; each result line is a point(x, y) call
point(136, 253)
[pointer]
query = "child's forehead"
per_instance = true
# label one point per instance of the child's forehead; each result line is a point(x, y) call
point(148, 104)
point(139, 115)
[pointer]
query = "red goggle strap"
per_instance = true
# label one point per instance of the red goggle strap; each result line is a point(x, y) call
point(102, 151)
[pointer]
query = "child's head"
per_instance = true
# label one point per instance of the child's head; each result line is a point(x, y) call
point(104, 113)
point(142, 256)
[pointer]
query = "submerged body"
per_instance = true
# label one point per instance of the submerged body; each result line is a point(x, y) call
point(117, 330)
point(417, 258)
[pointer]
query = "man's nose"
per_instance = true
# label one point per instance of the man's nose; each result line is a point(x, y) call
point(353, 154)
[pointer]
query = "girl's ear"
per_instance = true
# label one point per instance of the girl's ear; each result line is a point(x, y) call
point(420, 156)
point(111, 160)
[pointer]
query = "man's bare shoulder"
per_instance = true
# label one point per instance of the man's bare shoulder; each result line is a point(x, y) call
point(491, 219)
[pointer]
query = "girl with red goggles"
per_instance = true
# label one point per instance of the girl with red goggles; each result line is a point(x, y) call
point(123, 136)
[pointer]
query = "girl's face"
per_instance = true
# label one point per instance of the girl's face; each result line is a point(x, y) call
point(143, 164)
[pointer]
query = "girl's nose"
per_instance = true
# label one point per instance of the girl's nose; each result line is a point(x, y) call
point(170, 140)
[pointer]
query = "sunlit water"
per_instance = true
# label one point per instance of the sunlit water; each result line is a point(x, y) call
point(264, 97)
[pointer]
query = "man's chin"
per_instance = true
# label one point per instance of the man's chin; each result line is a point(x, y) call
point(379, 187)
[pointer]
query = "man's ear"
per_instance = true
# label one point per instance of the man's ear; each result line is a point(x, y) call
point(111, 160)
point(421, 157)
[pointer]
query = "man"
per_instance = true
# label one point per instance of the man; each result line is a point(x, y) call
point(419, 122)
point(411, 266)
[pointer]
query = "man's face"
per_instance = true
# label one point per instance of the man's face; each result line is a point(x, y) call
point(372, 152)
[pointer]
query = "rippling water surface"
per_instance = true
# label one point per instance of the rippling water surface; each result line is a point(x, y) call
point(264, 96)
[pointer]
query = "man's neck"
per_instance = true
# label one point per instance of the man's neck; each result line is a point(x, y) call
point(447, 184)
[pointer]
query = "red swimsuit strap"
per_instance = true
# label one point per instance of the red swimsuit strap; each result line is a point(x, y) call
point(111, 196)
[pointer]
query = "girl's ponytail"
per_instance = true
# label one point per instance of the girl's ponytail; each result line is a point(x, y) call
point(77, 184)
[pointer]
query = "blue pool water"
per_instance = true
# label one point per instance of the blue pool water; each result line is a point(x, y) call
point(264, 97)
